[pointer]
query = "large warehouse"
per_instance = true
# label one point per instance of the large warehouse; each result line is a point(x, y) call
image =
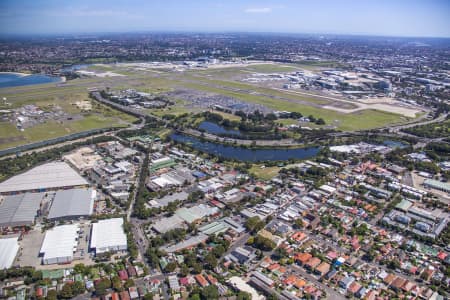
point(50, 176)
point(72, 204)
point(8, 252)
point(108, 236)
point(59, 244)
point(19, 210)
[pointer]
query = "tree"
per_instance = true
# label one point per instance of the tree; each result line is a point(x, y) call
point(52, 295)
point(102, 286)
point(116, 284)
point(129, 283)
point(194, 297)
point(263, 243)
point(197, 268)
point(298, 223)
point(320, 121)
point(210, 261)
point(148, 296)
point(244, 296)
point(66, 291)
point(170, 267)
point(254, 224)
point(209, 292)
point(78, 288)
point(218, 251)
point(184, 270)
point(79, 268)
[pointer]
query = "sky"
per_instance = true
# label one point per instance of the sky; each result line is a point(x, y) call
point(427, 18)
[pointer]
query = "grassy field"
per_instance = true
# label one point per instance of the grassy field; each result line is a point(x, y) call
point(360, 120)
point(48, 98)
point(266, 91)
point(266, 173)
point(271, 68)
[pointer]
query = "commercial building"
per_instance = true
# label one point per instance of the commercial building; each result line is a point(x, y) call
point(19, 210)
point(71, 204)
point(49, 176)
point(59, 244)
point(8, 252)
point(108, 236)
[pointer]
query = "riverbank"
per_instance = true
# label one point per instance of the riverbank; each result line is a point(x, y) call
point(17, 73)
point(250, 154)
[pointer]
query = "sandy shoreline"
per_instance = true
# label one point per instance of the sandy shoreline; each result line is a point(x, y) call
point(16, 73)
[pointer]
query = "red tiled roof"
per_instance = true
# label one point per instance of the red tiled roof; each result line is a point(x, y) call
point(123, 275)
point(303, 257)
point(201, 280)
point(273, 267)
point(354, 287)
point(291, 279)
point(442, 255)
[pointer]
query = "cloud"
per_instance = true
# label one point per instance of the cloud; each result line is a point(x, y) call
point(258, 10)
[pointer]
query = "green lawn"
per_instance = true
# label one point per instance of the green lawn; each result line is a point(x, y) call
point(266, 173)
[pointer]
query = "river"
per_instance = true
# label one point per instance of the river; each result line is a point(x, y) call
point(245, 154)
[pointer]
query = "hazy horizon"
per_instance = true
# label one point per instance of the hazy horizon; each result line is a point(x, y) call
point(401, 18)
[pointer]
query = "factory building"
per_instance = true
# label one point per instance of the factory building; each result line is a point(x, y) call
point(72, 204)
point(108, 236)
point(19, 210)
point(49, 176)
point(59, 244)
point(8, 251)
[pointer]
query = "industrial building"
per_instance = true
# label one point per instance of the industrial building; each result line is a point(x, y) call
point(8, 251)
point(186, 244)
point(59, 244)
point(73, 203)
point(49, 176)
point(19, 210)
point(108, 236)
point(165, 224)
point(437, 185)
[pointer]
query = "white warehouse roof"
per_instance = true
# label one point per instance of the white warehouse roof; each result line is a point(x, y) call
point(108, 235)
point(46, 176)
point(59, 244)
point(8, 252)
point(72, 203)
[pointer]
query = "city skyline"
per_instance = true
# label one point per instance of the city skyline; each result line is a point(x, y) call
point(378, 18)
